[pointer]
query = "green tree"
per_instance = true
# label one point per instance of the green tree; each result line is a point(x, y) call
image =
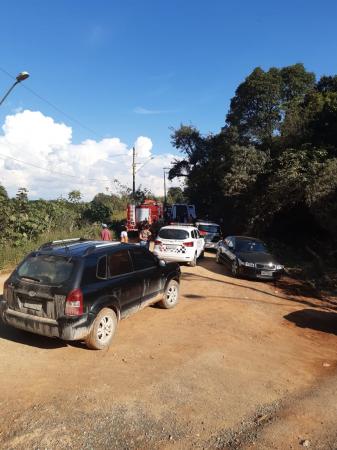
point(175, 195)
point(261, 102)
point(74, 196)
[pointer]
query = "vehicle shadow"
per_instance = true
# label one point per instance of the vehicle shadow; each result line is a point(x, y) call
point(24, 337)
point(210, 264)
point(323, 321)
point(33, 340)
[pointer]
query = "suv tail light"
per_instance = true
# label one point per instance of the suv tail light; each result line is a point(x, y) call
point(188, 244)
point(157, 242)
point(74, 303)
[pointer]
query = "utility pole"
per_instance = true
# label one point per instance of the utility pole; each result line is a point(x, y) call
point(165, 193)
point(164, 187)
point(133, 172)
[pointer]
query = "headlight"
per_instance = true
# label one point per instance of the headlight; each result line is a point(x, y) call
point(245, 263)
point(279, 267)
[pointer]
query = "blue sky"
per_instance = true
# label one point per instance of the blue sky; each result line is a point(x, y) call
point(109, 64)
point(130, 68)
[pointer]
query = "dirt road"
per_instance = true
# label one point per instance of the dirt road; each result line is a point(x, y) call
point(238, 364)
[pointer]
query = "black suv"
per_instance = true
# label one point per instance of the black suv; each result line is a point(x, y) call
point(78, 289)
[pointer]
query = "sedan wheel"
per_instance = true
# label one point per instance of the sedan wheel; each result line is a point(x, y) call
point(235, 268)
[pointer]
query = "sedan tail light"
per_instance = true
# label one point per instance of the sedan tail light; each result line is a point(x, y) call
point(188, 244)
point(74, 303)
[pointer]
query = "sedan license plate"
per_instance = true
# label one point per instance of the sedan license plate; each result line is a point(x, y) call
point(34, 306)
point(266, 273)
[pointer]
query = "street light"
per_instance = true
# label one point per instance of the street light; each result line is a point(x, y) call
point(22, 76)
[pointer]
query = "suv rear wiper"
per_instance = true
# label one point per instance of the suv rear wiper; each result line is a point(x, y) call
point(30, 278)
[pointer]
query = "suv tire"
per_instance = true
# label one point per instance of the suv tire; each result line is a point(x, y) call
point(171, 295)
point(193, 263)
point(102, 330)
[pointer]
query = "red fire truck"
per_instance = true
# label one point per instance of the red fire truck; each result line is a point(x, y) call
point(150, 211)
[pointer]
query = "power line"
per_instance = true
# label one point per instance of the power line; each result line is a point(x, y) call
point(54, 172)
point(59, 110)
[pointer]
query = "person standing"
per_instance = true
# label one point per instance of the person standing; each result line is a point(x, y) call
point(105, 233)
point(145, 236)
point(124, 234)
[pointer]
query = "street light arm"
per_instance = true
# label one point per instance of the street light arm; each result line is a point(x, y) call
point(8, 92)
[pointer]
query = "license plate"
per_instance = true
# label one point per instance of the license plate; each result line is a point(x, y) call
point(34, 306)
point(169, 248)
point(266, 273)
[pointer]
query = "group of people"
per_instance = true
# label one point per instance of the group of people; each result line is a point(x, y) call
point(144, 234)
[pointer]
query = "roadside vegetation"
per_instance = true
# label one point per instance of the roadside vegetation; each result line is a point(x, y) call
point(272, 169)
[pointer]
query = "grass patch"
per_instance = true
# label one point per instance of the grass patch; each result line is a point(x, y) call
point(11, 254)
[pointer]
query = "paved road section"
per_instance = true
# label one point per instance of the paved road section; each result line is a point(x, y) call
point(237, 364)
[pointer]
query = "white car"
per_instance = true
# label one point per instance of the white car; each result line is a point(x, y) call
point(181, 243)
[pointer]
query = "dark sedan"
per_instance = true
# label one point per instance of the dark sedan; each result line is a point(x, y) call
point(248, 257)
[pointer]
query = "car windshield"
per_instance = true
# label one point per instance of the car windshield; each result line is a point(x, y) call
point(210, 228)
point(246, 246)
point(172, 233)
point(46, 269)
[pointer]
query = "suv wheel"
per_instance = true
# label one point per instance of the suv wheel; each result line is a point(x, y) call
point(102, 330)
point(193, 263)
point(171, 295)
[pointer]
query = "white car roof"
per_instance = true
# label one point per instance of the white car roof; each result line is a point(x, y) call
point(179, 227)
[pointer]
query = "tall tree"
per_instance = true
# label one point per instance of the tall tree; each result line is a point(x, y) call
point(262, 101)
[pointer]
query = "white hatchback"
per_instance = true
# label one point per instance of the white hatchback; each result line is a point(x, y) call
point(181, 243)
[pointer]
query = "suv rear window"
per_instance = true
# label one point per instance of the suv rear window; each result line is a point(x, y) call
point(210, 228)
point(171, 233)
point(47, 269)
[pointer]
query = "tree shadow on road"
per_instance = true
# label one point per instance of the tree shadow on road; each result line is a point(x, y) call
point(230, 297)
point(323, 321)
point(288, 285)
point(209, 264)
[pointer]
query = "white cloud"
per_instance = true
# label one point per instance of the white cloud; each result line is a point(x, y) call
point(146, 111)
point(32, 139)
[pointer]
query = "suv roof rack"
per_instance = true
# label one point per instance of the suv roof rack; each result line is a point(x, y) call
point(100, 245)
point(62, 241)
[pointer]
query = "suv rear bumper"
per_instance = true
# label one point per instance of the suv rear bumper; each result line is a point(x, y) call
point(66, 328)
point(212, 245)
